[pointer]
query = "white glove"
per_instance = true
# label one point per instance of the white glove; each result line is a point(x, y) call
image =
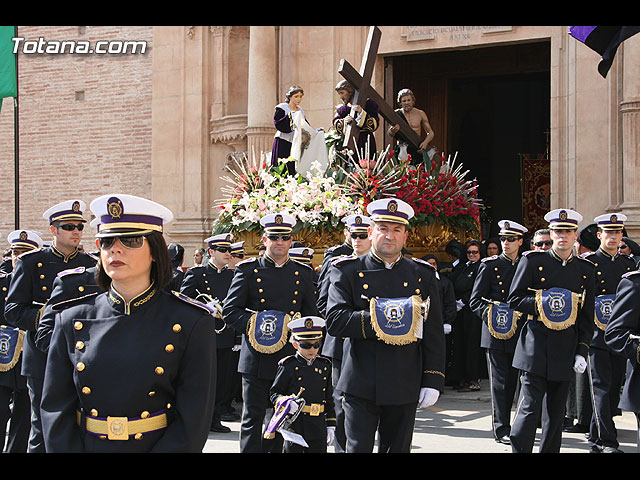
point(236, 348)
point(216, 307)
point(459, 305)
point(428, 397)
point(580, 365)
point(331, 434)
point(447, 328)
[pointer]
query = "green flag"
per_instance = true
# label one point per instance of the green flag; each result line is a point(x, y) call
point(8, 78)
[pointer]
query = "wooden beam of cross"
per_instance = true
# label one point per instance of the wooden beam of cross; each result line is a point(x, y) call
point(361, 82)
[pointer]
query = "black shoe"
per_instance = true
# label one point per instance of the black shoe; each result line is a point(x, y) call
point(219, 428)
point(229, 417)
point(611, 450)
point(577, 428)
point(595, 449)
point(504, 439)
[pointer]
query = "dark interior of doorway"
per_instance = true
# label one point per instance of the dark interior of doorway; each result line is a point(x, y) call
point(488, 104)
point(492, 120)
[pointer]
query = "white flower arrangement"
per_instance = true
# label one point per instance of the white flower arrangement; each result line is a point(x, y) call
point(257, 189)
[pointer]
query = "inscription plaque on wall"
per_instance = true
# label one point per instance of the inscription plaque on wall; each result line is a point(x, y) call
point(451, 33)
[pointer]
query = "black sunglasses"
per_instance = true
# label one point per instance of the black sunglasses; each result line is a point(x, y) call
point(623, 246)
point(508, 239)
point(275, 238)
point(307, 345)
point(237, 255)
point(70, 227)
point(130, 241)
point(223, 249)
point(547, 243)
point(473, 252)
point(361, 236)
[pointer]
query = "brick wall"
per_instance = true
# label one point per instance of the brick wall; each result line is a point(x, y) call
point(84, 126)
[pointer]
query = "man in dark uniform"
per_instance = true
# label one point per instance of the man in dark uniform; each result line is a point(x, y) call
point(176, 254)
point(30, 289)
point(606, 368)
point(366, 118)
point(357, 242)
point(13, 385)
point(206, 283)
point(621, 335)
point(265, 293)
point(387, 308)
point(556, 290)
point(500, 324)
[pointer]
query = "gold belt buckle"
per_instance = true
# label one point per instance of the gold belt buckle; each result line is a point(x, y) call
point(314, 409)
point(117, 428)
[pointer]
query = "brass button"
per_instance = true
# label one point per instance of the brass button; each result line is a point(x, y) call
point(159, 371)
point(417, 291)
point(293, 301)
point(542, 279)
point(296, 273)
point(360, 274)
point(260, 290)
point(262, 300)
point(295, 292)
point(39, 264)
point(78, 325)
point(80, 366)
point(138, 436)
point(144, 414)
point(406, 284)
point(41, 276)
point(93, 412)
point(365, 286)
point(258, 279)
point(297, 282)
point(177, 327)
point(86, 390)
point(79, 345)
point(44, 288)
point(151, 393)
point(540, 268)
point(81, 288)
point(169, 348)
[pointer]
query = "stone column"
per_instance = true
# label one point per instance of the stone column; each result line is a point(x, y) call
point(630, 116)
point(263, 89)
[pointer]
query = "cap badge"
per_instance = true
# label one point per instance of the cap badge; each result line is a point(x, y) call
point(114, 207)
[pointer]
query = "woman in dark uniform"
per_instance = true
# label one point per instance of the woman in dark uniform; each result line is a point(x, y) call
point(131, 369)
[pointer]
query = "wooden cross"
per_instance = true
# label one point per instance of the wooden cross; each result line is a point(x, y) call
point(361, 82)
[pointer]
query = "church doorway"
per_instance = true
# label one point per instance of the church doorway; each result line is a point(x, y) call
point(491, 107)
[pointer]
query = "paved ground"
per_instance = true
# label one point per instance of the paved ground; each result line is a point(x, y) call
point(458, 423)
